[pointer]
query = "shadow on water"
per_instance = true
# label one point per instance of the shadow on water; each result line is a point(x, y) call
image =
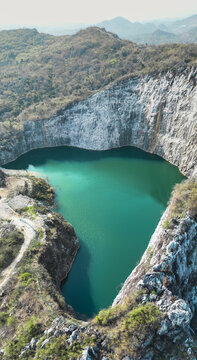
point(77, 290)
point(39, 157)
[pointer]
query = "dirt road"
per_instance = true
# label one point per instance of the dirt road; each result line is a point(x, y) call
point(26, 227)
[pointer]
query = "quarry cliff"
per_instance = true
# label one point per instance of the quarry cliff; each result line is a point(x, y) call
point(155, 113)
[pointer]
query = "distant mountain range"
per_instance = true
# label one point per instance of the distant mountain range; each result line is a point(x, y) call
point(164, 37)
point(180, 31)
point(183, 25)
point(124, 28)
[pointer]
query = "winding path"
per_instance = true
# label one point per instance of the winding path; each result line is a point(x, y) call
point(24, 225)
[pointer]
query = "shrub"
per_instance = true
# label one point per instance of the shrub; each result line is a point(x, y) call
point(31, 329)
point(25, 278)
point(10, 320)
point(3, 318)
point(166, 224)
point(9, 247)
point(57, 349)
point(29, 210)
point(107, 316)
point(184, 198)
point(42, 191)
point(40, 233)
point(143, 318)
point(129, 329)
point(12, 238)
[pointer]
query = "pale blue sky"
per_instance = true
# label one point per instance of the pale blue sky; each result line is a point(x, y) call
point(42, 12)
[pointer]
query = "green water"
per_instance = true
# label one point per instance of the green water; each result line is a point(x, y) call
point(114, 200)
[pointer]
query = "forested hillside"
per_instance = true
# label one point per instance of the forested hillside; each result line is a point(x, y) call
point(40, 73)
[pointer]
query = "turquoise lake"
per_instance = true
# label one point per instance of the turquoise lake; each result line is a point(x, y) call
point(114, 199)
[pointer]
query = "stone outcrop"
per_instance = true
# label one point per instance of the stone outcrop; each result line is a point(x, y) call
point(170, 262)
point(155, 113)
point(167, 274)
point(59, 253)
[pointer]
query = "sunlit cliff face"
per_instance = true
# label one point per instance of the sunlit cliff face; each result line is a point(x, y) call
point(157, 114)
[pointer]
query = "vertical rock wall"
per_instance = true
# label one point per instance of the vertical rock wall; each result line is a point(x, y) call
point(156, 114)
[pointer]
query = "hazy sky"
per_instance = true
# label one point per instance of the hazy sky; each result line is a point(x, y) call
point(42, 12)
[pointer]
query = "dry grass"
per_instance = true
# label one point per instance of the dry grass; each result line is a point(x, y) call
point(184, 199)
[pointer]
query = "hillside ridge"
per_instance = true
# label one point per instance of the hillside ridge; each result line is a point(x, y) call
point(41, 74)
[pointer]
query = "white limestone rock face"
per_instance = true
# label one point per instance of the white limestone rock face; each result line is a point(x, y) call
point(167, 274)
point(157, 114)
point(179, 314)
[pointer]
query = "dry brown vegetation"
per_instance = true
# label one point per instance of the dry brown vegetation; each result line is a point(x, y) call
point(184, 199)
point(10, 243)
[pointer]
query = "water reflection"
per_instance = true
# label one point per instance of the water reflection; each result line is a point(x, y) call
point(79, 285)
